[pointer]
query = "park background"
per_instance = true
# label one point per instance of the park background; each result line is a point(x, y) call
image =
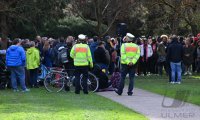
point(55, 18)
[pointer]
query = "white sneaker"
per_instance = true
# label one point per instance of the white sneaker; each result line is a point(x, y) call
point(26, 90)
point(189, 73)
point(178, 83)
point(136, 74)
point(15, 90)
point(142, 74)
point(185, 73)
point(148, 74)
point(172, 82)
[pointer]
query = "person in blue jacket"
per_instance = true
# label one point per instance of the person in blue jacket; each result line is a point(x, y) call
point(93, 47)
point(15, 61)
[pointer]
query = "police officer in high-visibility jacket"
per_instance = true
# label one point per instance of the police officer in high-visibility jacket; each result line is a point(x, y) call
point(130, 53)
point(81, 54)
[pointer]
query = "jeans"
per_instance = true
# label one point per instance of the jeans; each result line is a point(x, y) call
point(18, 73)
point(125, 69)
point(78, 71)
point(33, 77)
point(175, 68)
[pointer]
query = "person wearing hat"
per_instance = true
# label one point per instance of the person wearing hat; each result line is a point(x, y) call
point(130, 53)
point(145, 52)
point(81, 54)
point(15, 61)
point(162, 48)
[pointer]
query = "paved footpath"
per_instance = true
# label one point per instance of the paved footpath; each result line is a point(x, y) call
point(154, 106)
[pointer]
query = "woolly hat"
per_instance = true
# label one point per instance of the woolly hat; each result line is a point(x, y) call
point(164, 36)
point(198, 35)
point(196, 39)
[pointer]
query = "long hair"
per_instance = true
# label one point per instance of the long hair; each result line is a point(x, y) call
point(46, 45)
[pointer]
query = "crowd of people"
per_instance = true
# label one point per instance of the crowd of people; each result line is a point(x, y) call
point(177, 55)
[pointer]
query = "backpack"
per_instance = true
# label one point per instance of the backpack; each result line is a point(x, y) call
point(115, 79)
point(62, 55)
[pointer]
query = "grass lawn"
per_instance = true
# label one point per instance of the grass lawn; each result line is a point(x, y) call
point(188, 91)
point(41, 105)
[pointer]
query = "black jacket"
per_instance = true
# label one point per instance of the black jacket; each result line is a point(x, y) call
point(175, 52)
point(100, 56)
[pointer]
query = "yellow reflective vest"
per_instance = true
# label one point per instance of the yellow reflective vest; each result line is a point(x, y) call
point(130, 52)
point(81, 55)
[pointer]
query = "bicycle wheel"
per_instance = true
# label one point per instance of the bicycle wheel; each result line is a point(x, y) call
point(92, 82)
point(54, 81)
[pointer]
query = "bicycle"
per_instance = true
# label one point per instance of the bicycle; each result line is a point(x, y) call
point(56, 80)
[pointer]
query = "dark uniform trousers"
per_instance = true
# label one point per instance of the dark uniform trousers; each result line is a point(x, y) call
point(81, 70)
point(125, 69)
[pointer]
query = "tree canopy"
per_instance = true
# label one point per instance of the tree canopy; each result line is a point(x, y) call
point(27, 18)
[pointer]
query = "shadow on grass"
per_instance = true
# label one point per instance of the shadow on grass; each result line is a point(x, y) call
point(43, 105)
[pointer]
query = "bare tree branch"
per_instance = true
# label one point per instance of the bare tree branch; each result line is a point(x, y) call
point(106, 7)
point(75, 10)
point(168, 4)
point(110, 25)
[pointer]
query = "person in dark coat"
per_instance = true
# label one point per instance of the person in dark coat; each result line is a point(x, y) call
point(197, 50)
point(102, 57)
point(61, 43)
point(153, 59)
point(47, 61)
point(110, 48)
point(93, 47)
point(188, 56)
point(161, 51)
point(175, 57)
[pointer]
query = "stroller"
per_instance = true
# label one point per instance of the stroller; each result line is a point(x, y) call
point(43, 71)
point(4, 76)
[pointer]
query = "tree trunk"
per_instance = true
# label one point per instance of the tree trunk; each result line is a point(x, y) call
point(110, 17)
point(194, 29)
point(112, 31)
point(175, 24)
point(4, 30)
